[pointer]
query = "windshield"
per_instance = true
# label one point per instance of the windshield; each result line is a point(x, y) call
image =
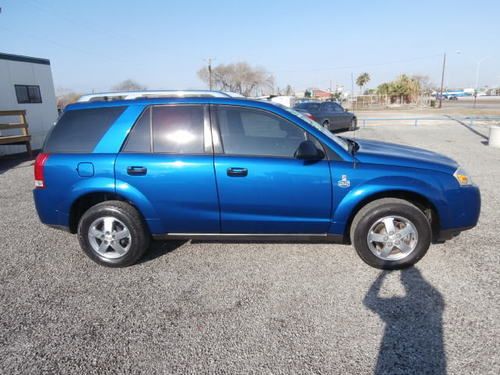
point(341, 142)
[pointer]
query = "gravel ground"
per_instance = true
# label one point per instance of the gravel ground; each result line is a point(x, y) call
point(234, 308)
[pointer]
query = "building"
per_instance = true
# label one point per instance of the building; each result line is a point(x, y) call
point(26, 83)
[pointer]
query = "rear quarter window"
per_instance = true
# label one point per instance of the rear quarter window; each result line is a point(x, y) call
point(79, 131)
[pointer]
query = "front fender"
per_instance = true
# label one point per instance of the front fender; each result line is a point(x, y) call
point(351, 201)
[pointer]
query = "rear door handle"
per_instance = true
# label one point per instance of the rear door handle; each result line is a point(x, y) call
point(137, 171)
point(237, 172)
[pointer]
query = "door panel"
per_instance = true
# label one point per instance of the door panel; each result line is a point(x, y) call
point(181, 189)
point(275, 196)
point(262, 187)
point(173, 169)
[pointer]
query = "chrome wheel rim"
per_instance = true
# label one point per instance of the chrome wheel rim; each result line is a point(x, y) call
point(392, 238)
point(109, 237)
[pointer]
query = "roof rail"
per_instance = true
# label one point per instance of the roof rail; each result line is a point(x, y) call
point(131, 95)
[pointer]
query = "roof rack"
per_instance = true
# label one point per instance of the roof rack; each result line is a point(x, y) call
point(131, 95)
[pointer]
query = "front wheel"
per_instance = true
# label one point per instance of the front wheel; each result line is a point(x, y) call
point(391, 233)
point(113, 234)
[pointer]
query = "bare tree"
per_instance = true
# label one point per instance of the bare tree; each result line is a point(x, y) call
point(128, 85)
point(424, 83)
point(289, 91)
point(239, 77)
point(65, 97)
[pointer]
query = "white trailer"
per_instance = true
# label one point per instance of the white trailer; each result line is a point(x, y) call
point(26, 83)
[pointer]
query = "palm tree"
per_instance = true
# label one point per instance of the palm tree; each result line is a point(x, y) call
point(362, 80)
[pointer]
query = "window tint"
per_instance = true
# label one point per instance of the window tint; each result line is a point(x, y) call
point(328, 107)
point(309, 106)
point(79, 131)
point(337, 107)
point(255, 132)
point(178, 129)
point(28, 94)
point(139, 139)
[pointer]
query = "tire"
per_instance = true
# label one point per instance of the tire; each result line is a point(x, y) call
point(410, 239)
point(113, 234)
point(326, 124)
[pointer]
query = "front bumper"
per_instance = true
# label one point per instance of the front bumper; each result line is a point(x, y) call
point(463, 210)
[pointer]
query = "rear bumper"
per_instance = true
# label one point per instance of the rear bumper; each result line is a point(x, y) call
point(47, 212)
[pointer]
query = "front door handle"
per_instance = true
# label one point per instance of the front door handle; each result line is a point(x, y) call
point(137, 171)
point(237, 172)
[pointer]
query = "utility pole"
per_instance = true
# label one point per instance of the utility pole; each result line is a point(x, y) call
point(442, 81)
point(210, 73)
point(352, 90)
point(476, 88)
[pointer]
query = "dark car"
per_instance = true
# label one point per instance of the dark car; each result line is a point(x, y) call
point(329, 114)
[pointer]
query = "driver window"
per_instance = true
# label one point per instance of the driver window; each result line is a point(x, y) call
point(257, 133)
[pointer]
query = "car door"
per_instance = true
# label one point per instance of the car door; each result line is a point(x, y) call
point(327, 113)
point(262, 188)
point(167, 162)
point(343, 118)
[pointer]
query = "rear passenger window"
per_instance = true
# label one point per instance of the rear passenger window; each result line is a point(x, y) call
point(139, 139)
point(79, 131)
point(257, 132)
point(178, 129)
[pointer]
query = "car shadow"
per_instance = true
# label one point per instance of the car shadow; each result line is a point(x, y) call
point(8, 162)
point(413, 336)
point(159, 248)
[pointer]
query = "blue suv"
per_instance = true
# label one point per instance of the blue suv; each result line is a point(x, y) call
point(121, 172)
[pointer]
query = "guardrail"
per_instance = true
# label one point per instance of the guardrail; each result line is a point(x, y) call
point(469, 120)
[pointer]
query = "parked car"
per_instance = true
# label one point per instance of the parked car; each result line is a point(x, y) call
point(329, 114)
point(118, 173)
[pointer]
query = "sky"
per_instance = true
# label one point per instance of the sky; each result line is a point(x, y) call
point(93, 45)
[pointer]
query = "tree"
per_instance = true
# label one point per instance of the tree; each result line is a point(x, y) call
point(239, 77)
point(362, 80)
point(128, 85)
point(424, 83)
point(66, 98)
point(406, 88)
point(289, 91)
point(308, 94)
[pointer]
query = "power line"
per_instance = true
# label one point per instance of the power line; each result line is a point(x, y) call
point(358, 66)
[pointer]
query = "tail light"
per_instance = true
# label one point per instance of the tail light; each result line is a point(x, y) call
point(39, 166)
point(310, 116)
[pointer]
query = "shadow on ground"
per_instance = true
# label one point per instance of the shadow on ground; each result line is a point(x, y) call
point(8, 162)
point(160, 248)
point(413, 336)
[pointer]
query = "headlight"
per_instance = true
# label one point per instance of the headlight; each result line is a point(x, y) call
point(462, 177)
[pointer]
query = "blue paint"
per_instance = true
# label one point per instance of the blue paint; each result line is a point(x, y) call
point(194, 193)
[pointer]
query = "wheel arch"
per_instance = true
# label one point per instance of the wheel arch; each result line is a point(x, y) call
point(419, 200)
point(85, 201)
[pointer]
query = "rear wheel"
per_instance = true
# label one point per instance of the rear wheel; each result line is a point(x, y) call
point(326, 124)
point(113, 234)
point(391, 233)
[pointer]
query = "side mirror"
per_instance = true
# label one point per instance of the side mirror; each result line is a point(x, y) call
point(308, 151)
